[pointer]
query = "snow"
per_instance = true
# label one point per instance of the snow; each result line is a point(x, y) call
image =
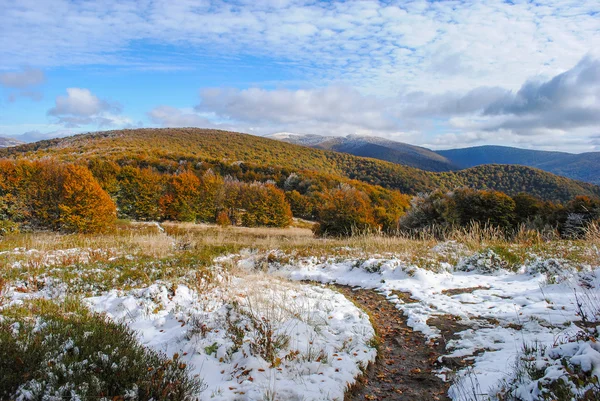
point(325, 338)
point(503, 309)
point(64, 257)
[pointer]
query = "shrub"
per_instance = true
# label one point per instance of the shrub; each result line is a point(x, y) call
point(484, 207)
point(51, 351)
point(463, 207)
point(581, 212)
point(223, 219)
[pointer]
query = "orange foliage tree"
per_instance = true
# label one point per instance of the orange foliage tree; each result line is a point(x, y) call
point(50, 195)
point(180, 201)
point(265, 205)
point(344, 211)
point(83, 205)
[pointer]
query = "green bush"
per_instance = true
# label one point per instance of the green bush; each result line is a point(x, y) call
point(51, 351)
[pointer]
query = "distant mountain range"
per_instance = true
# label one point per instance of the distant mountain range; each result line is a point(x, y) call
point(6, 142)
point(375, 147)
point(583, 167)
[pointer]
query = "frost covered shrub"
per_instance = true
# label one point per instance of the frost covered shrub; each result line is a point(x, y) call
point(482, 262)
point(567, 370)
point(556, 270)
point(564, 372)
point(50, 351)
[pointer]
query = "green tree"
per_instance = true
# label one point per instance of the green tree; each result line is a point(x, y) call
point(139, 193)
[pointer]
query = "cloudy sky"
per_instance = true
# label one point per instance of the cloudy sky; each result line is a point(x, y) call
point(442, 74)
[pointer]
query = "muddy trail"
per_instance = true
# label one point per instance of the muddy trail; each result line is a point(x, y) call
point(403, 369)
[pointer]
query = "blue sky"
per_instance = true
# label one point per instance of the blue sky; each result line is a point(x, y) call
point(441, 74)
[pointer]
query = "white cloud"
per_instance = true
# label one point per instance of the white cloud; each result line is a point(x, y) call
point(22, 83)
point(167, 116)
point(81, 107)
point(332, 105)
point(24, 78)
point(562, 111)
point(379, 46)
point(390, 68)
point(79, 102)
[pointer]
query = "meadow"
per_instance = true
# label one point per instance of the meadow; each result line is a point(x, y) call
point(227, 312)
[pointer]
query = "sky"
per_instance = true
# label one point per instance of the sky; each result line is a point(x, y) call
point(441, 74)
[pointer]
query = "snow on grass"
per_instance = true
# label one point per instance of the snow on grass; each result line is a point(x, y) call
point(34, 258)
point(254, 337)
point(503, 309)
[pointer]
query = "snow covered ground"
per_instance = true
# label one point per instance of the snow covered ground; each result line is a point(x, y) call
point(253, 338)
point(261, 336)
point(504, 310)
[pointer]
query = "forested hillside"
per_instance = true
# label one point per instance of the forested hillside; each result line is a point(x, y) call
point(255, 158)
point(584, 166)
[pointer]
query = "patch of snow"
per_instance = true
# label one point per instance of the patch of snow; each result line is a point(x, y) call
point(323, 338)
point(524, 307)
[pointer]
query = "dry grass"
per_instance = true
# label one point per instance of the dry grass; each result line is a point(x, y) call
point(148, 240)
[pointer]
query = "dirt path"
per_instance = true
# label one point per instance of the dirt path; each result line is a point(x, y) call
point(403, 368)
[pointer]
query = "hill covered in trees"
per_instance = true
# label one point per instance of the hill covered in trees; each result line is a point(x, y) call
point(584, 166)
point(251, 158)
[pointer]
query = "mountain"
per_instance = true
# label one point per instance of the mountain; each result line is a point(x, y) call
point(375, 147)
point(261, 157)
point(6, 142)
point(584, 166)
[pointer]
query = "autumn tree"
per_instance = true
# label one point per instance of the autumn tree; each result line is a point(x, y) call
point(50, 195)
point(106, 172)
point(264, 205)
point(302, 205)
point(83, 205)
point(139, 193)
point(231, 202)
point(210, 197)
point(181, 198)
point(344, 211)
point(13, 208)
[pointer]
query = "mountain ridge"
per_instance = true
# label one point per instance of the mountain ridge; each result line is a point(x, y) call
point(6, 141)
point(582, 166)
point(169, 147)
